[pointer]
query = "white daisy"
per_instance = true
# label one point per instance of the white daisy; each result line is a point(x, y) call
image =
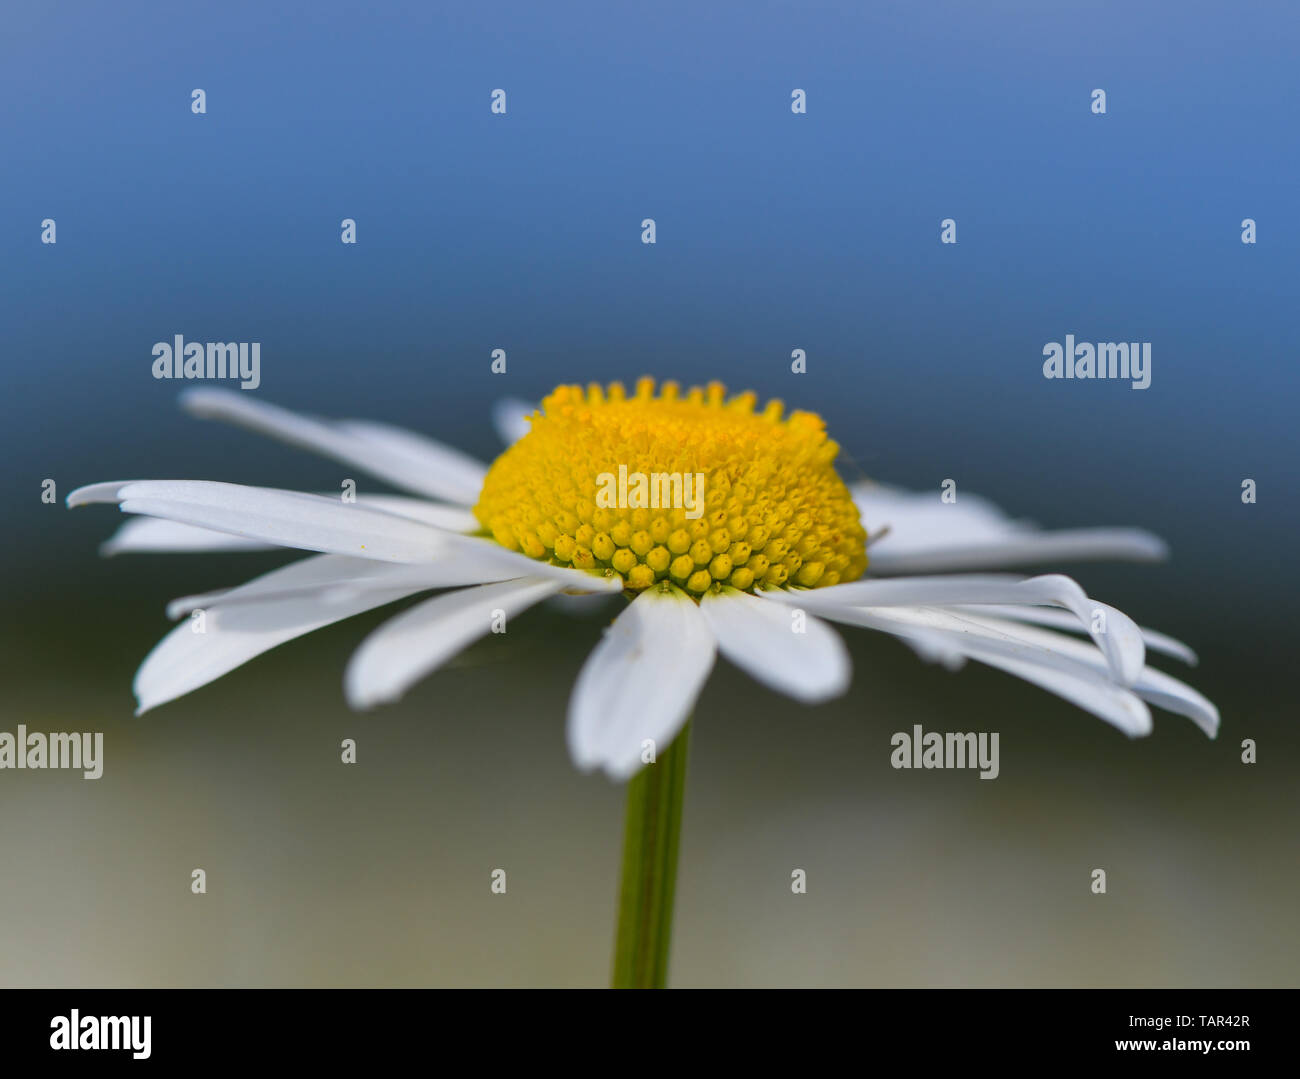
point(780, 550)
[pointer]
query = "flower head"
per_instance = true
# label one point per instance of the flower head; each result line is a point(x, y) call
point(722, 493)
point(776, 553)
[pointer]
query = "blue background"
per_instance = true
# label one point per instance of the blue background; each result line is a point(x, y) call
point(775, 231)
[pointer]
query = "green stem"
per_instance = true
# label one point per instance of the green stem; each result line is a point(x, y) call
point(650, 839)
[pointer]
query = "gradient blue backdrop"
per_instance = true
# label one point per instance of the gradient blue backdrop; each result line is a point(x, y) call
point(775, 231)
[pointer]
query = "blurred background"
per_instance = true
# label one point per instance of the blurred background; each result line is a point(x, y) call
point(775, 231)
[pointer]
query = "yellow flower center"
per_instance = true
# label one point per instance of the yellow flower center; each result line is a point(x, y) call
point(694, 488)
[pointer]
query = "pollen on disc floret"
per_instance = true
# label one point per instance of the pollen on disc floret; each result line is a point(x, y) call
point(692, 487)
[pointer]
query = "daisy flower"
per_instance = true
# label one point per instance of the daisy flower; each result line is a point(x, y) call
point(777, 547)
point(780, 549)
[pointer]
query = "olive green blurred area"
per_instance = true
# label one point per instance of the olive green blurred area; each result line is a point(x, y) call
point(378, 873)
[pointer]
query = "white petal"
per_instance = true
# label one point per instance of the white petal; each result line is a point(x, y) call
point(98, 492)
point(340, 578)
point(1095, 694)
point(936, 650)
point(640, 682)
point(459, 476)
point(1167, 692)
point(920, 517)
point(1116, 634)
point(451, 518)
point(510, 416)
point(1076, 545)
point(401, 458)
point(811, 665)
point(315, 523)
point(927, 535)
point(948, 634)
point(1064, 620)
point(1152, 685)
point(574, 581)
point(501, 564)
point(311, 575)
point(185, 660)
point(282, 518)
point(155, 536)
point(416, 642)
point(950, 637)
